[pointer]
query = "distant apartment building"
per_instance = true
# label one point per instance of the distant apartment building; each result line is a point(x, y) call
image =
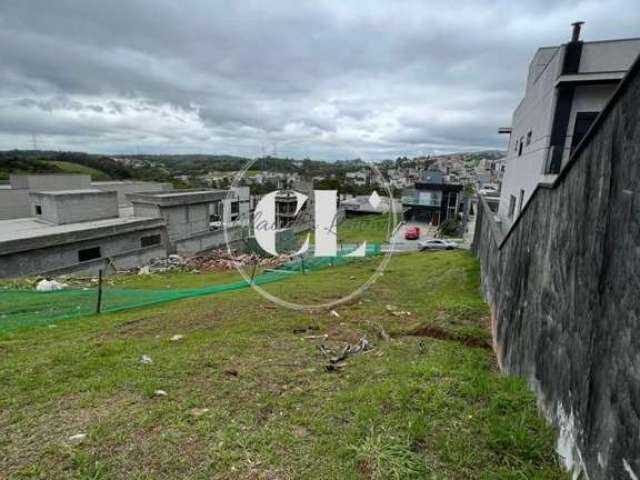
point(359, 178)
point(567, 87)
point(433, 200)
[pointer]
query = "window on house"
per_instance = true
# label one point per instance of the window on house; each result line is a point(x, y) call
point(529, 138)
point(38, 210)
point(89, 254)
point(512, 205)
point(150, 240)
point(583, 123)
point(520, 201)
point(520, 146)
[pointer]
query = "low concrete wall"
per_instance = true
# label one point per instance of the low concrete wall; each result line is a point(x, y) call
point(563, 290)
point(123, 188)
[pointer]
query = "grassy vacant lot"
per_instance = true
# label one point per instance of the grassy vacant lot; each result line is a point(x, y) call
point(372, 228)
point(248, 396)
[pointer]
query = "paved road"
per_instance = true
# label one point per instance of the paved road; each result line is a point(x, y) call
point(400, 244)
point(403, 245)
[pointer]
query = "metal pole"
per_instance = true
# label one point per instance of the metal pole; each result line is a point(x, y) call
point(99, 301)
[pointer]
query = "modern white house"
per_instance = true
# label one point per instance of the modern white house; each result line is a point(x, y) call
point(567, 87)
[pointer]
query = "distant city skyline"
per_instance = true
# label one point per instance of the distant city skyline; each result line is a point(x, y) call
point(328, 80)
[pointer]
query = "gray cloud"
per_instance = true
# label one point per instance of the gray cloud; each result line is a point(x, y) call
point(315, 78)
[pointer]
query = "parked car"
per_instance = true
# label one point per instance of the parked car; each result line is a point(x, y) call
point(412, 233)
point(437, 244)
point(488, 190)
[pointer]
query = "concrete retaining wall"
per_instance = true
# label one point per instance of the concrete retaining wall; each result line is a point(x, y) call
point(563, 289)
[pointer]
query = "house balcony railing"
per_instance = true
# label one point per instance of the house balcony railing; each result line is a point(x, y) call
point(412, 198)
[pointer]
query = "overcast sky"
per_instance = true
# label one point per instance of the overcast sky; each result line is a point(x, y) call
point(325, 79)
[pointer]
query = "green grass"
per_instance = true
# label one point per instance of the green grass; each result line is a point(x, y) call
point(370, 228)
point(69, 167)
point(436, 411)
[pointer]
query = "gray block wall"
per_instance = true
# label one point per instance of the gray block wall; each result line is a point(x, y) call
point(563, 290)
point(184, 221)
point(62, 207)
point(50, 181)
point(14, 204)
point(123, 188)
point(124, 249)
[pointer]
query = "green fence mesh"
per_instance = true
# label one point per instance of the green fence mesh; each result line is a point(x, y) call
point(26, 307)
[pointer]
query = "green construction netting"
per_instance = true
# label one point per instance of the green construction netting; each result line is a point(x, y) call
point(26, 307)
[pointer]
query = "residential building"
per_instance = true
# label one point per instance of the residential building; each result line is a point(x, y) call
point(77, 230)
point(286, 205)
point(433, 200)
point(359, 178)
point(567, 87)
point(84, 230)
point(368, 204)
point(15, 200)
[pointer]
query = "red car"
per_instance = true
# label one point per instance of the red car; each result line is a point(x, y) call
point(412, 233)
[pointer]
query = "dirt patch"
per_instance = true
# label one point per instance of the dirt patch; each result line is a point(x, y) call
point(442, 334)
point(342, 333)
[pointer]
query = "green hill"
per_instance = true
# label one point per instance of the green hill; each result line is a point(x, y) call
point(100, 167)
point(68, 167)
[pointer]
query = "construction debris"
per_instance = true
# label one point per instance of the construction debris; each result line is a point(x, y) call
point(395, 311)
point(49, 286)
point(198, 412)
point(316, 337)
point(146, 270)
point(382, 333)
point(172, 262)
point(214, 261)
point(146, 360)
point(337, 358)
point(218, 260)
point(310, 328)
point(78, 437)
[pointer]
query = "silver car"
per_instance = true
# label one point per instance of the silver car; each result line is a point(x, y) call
point(437, 244)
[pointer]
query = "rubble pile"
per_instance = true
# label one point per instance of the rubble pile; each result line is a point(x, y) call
point(172, 262)
point(222, 260)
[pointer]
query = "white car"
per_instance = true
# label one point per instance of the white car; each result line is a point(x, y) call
point(487, 190)
point(437, 244)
